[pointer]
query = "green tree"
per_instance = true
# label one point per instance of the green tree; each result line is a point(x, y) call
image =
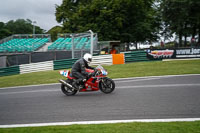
point(181, 17)
point(194, 18)
point(54, 32)
point(3, 31)
point(21, 26)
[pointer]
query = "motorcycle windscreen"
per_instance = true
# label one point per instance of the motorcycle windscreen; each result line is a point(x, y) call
point(103, 71)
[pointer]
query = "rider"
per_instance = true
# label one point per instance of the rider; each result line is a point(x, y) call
point(78, 70)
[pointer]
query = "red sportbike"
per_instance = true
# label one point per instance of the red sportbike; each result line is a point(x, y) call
point(98, 81)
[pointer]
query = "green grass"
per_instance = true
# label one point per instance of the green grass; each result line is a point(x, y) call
point(44, 77)
point(168, 127)
point(154, 68)
point(138, 69)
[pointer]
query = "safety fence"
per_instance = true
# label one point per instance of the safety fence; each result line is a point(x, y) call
point(109, 59)
point(36, 67)
point(63, 64)
point(67, 63)
point(136, 56)
point(102, 60)
point(9, 71)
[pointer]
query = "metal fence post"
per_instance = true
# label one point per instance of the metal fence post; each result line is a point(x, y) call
point(72, 45)
point(91, 44)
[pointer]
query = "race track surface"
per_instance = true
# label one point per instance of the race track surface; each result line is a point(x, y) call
point(135, 98)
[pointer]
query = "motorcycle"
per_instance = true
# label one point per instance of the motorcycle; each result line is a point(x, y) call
point(99, 81)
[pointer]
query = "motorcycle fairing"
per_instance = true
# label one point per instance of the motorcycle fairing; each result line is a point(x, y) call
point(66, 73)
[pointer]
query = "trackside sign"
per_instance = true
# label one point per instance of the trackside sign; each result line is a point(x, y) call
point(193, 52)
point(160, 54)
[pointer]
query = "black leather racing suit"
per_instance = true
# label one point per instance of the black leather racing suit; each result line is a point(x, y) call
point(78, 70)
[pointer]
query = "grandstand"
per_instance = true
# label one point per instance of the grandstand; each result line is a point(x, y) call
point(23, 43)
point(32, 48)
point(80, 41)
point(32, 43)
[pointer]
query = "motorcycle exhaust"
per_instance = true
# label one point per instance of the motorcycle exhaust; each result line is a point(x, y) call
point(65, 83)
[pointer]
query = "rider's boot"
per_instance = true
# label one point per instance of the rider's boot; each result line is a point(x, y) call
point(79, 84)
point(75, 85)
point(82, 83)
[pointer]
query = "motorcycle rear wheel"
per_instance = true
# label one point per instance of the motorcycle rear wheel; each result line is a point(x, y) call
point(67, 91)
point(107, 85)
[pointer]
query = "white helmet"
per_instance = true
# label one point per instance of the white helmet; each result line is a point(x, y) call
point(87, 57)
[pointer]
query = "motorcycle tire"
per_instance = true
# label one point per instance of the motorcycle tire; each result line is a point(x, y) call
point(67, 91)
point(107, 85)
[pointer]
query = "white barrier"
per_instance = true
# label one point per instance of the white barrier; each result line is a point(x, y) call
point(48, 65)
point(36, 67)
point(102, 59)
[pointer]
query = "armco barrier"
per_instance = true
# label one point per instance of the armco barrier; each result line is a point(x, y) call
point(63, 64)
point(9, 71)
point(136, 56)
point(36, 67)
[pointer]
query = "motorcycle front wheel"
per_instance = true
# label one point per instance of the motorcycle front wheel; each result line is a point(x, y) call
point(67, 91)
point(107, 85)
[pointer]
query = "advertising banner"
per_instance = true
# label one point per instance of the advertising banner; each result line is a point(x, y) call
point(160, 54)
point(188, 53)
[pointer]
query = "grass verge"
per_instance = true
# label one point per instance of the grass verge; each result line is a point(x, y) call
point(154, 127)
point(138, 69)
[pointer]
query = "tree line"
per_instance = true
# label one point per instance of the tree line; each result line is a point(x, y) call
point(132, 20)
point(19, 26)
point(125, 20)
point(181, 17)
point(136, 21)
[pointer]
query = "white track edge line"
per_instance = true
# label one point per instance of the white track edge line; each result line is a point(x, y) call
point(100, 122)
point(124, 87)
point(157, 76)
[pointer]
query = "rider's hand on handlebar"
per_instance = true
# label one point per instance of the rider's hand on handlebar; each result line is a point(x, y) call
point(93, 74)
